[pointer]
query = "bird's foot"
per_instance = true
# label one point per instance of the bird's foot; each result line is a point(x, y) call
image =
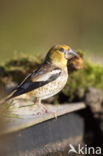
point(44, 111)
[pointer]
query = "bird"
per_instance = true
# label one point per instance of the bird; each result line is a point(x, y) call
point(48, 79)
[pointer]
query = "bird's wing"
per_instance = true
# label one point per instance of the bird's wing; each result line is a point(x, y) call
point(43, 75)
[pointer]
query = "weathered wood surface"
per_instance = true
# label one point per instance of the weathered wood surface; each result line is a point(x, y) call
point(40, 135)
point(28, 115)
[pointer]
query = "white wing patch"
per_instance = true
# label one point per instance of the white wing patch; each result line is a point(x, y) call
point(46, 76)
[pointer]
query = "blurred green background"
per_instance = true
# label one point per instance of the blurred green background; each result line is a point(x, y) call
point(33, 26)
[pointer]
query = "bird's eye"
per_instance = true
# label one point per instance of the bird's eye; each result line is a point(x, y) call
point(61, 49)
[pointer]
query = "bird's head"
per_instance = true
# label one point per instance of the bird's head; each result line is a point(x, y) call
point(58, 55)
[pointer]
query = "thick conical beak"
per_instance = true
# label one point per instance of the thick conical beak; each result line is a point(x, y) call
point(72, 52)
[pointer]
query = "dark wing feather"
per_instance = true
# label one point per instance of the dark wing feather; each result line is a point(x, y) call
point(35, 79)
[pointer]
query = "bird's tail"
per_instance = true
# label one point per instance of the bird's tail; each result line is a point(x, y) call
point(10, 96)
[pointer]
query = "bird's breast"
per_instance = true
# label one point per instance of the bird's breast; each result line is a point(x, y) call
point(53, 87)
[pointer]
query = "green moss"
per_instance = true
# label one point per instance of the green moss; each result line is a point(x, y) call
point(90, 76)
point(17, 68)
point(24, 64)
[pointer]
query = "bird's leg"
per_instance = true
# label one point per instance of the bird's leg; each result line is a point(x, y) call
point(40, 105)
point(44, 108)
